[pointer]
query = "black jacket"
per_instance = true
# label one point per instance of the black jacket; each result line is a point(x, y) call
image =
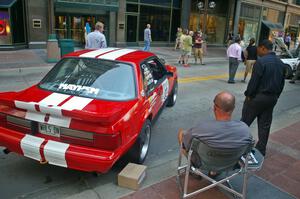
point(267, 77)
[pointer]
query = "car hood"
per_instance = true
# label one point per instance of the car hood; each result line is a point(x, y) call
point(35, 103)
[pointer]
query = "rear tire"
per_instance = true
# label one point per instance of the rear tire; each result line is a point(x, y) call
point(288, 72)
point(173, 96)
point(140, 148)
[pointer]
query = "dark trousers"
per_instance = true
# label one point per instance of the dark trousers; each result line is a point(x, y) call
point(233, 66)
point(260, 107)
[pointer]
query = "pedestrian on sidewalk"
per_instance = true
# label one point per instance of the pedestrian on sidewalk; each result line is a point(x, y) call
point(234, 53)
point(147, 37)
point(222, 132)
point(96, 39)
point(178, 42)
point(297, 75)
point(198, 46)
point(287, 40)
point(187, 47)
point(182, 37)
point(250, 57)
point(263, 91)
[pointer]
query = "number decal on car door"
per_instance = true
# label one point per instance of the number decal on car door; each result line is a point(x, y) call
point(165, 87)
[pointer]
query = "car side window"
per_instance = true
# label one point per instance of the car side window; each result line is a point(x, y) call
point(148, 79)
point(157, 68)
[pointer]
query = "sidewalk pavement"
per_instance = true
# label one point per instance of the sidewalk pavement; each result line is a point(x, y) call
point(278, 178)
point(38, 57)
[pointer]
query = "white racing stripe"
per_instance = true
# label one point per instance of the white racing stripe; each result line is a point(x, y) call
point(30, 106)
point(59, 121)
point(76, 103)
point(30, 146)
point(116, 54)
point(35, 116)
point(95, 53)
point(54, 99)
point(55, 153)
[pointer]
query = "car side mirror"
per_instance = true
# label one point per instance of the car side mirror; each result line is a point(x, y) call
point(163, 61)
point(169, 74)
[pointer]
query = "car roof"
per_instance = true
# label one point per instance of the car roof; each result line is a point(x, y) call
point(119, 54)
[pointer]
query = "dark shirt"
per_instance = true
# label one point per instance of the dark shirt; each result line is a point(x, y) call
point(252, 54)
point(267, 76)
point(198, 39)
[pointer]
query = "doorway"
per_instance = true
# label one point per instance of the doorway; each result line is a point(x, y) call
point(131, 28)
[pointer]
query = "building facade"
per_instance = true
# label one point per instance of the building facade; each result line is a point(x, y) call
point(27, 23)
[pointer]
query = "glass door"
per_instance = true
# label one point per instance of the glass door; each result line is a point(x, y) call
point(132, 27)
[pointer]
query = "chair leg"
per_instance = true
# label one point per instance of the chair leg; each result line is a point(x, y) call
point(187, 173)
point(245, 180)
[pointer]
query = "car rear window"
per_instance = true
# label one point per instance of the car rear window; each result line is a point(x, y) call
point(93, 78)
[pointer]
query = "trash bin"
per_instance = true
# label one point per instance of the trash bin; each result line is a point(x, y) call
point(66, 46)
point(53, 52)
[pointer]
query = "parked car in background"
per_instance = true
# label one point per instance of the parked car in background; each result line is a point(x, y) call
point(291, 58)
point(93, 107)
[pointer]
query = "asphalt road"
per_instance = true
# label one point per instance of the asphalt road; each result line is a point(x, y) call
point(21, 177)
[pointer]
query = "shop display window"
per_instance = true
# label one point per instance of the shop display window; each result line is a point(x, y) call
point(5, 29)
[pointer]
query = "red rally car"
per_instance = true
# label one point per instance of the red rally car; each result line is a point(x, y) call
point(91, 108)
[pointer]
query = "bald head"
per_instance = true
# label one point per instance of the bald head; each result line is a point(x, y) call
point(225, 101)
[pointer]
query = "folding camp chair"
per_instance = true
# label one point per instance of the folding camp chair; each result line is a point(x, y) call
point(202, 159)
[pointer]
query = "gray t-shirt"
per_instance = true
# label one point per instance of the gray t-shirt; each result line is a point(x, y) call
point(219, 134)
point(147, 34)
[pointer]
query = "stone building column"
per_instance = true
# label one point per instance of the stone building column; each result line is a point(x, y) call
point(120, 29)
point(236, 17)
point(185, 13)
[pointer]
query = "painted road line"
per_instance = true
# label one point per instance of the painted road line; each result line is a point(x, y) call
point(205, 78)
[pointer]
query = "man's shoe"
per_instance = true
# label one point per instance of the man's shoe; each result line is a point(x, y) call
point(292, 82)
point(231, 82)
point(244, 81)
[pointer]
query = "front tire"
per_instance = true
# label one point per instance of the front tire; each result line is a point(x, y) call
point(173, 96)
point(288, 72)
point(140, 148)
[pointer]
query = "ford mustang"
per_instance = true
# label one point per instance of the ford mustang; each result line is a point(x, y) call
point(93, 107)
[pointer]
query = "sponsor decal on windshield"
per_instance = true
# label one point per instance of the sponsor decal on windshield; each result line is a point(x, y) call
point(78, 88)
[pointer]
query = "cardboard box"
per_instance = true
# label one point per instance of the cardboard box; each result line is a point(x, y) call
point(132, 176)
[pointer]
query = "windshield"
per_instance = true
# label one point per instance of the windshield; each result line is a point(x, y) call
point(93, 78)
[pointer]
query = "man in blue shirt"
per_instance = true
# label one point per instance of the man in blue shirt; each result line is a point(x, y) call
point(147, 37)
point(263, 91)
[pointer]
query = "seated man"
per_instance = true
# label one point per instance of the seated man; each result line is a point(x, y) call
point(220, 133)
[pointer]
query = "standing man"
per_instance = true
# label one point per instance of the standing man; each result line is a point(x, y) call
point(234, 53)
point(251, 57)
point(147, 37)
point(96, 39)
point(187, 47)
point(263, 91)
point(198, 47)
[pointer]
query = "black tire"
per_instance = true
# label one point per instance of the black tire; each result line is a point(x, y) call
point(288, 72)
point(173, 96)
point(140, 148)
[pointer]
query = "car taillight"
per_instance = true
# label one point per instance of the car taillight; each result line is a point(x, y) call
point(2, 119)
point(77, 137)
point(18, 124)
point(108, 141)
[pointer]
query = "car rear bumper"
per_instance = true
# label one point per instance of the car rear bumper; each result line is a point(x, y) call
point(58, 153)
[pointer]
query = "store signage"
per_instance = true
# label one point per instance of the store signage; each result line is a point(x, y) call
point(36, 23)
point(3, 28)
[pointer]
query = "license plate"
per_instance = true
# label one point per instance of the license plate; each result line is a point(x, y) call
point(49, 130)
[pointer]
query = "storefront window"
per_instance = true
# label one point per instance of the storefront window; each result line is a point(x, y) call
point(5, 30)
point(248, 29)
point(272, 15)
point(155, 2)
point(159, 18)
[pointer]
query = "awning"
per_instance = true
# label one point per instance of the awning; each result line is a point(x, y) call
point(273, 26)
point(7, 3)
point(86, 6)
